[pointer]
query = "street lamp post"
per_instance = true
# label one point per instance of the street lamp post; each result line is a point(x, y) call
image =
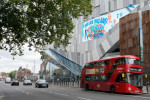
point(76, 58)
point(49, 69)
point(141, 36)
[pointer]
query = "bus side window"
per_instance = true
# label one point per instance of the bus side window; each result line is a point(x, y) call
point(102, 78)
point(99, 64)
point(88, 78)
point(92, 78)
point(117, 62)
point(96, 78)
point(102, 63)
point(87, 65)
point(120, 61)
point(105, 63)
point(96, 64)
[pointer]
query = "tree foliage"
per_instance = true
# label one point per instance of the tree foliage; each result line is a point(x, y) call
point(38, 22)
point(12, 74)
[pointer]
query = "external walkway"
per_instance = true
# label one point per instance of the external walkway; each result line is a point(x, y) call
point(62, 61)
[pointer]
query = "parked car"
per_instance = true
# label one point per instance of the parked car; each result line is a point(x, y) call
point(41, 83)
point(8, 80)
point(27, 82)
point(15, 82)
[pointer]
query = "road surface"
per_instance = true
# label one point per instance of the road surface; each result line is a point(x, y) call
point(8, 92)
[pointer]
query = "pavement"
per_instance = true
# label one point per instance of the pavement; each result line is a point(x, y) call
point(146, 90)
point(55, 92)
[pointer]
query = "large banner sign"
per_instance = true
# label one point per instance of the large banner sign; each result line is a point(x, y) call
point(98, 27)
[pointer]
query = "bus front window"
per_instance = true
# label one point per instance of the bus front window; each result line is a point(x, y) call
point(135, 79)
point(133, 61)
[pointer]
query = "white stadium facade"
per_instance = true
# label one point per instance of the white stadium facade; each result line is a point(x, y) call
point(93, 38)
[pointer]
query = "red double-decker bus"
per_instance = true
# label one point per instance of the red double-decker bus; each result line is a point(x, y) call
point(122, 74)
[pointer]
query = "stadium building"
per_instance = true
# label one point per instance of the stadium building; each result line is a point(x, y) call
point(94, 38)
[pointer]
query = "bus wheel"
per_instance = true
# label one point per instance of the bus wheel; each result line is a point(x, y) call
point(87, 87)
point(112, 89)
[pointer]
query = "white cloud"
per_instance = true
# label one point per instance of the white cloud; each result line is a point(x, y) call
point(7, 63)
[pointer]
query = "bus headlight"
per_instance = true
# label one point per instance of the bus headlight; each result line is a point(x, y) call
point(129, 88)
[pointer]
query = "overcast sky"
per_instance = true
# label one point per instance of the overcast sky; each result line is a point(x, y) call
point(7, 63)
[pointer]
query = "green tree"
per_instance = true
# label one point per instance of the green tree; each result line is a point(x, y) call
point(12, 74)
point(38, 22)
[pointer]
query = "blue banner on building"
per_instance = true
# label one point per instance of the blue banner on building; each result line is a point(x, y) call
point(98, 27)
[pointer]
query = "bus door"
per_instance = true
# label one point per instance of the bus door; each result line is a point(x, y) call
point(90, 81)
point(120, 82)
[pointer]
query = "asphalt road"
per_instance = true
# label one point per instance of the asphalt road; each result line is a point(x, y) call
point(8, 92)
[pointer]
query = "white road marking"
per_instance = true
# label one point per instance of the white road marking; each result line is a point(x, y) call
point(84, 98)
point(43, 90)
point(60, 93)
point(28, 93)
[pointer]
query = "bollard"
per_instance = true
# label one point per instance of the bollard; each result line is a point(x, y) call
point(73, 84)
point(147, 87)
point(68, 83)
point(78, 84)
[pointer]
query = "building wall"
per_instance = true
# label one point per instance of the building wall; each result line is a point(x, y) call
point(146, 42)
point(130, 40)
point(129, 35)
point(94, 49)
point(22, 72)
